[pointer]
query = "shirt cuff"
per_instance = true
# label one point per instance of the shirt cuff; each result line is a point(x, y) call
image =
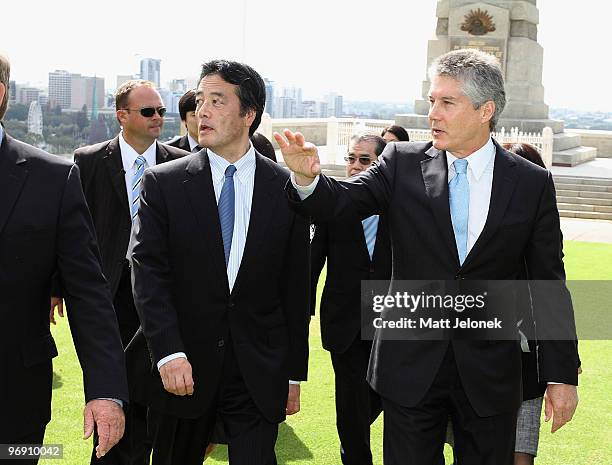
point(304, 191)
point(552, 382)
point(294, 382)
point(118, 401)
point(169, 358)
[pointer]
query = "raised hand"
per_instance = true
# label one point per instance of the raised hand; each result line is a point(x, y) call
point(300, 156)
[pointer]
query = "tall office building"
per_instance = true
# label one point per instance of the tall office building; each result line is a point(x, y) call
point(60, 89)
point(338, 101)
point(88, 91)
point(12, 92)
point(121, 78)
point(72, 91)
point(149, 70)
point(334, 105)
point(269, 108)
point(178, 85)
point(27, 95)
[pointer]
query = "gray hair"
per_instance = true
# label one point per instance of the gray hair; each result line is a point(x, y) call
point(5, 75)
point(378, 141)
point(480, 75)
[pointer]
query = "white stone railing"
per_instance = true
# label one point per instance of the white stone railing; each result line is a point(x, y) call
point(334, 134)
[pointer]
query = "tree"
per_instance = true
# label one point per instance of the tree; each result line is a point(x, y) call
point(81, 119)
point(17, 112)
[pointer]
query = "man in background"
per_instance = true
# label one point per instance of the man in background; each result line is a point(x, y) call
point(111, 174)
point(187, 106)
point(356, 251)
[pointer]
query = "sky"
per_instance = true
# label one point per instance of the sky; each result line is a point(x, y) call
point(361, 49)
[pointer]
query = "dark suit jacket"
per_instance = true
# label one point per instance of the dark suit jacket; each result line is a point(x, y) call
point(180, 142)
point(103, 180)
point(44, 226)
point(343, 244)
point(410, 185)
point(182, 293)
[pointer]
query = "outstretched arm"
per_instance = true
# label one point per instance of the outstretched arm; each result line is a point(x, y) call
point(300, 156)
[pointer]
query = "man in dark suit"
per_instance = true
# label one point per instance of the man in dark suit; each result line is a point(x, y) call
point(110, 175)
point(187, 106)
point(45, 226)
point(221, 283)
point(356, 251)
point(459, 209)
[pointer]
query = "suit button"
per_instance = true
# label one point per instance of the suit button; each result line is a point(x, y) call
point(220, 343)
point(231, 305)
point(459, 276)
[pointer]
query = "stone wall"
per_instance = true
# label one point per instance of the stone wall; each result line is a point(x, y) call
point(601, 140)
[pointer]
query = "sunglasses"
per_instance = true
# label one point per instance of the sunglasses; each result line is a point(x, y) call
point(148, 112)
point(365, 161)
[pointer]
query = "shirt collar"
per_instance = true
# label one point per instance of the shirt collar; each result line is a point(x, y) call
point(477, 161)
point(1, 134)
point(192, 141)
point(244, 165)
point(129, 155)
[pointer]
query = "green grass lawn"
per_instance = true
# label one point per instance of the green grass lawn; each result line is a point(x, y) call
point(310, 436)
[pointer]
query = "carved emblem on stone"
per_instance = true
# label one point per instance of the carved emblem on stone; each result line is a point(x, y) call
point(478, 22)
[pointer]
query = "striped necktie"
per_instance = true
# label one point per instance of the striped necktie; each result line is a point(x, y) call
point(370, 228)
point(226, 211)
point(139, 167)
point(459, 203)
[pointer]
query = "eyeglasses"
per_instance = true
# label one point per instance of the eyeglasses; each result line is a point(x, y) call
point(365, 161)
point(148, 112)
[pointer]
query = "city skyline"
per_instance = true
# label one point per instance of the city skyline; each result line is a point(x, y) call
point(344, 50)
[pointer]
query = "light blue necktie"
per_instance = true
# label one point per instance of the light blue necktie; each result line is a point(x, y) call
point(370, 228)
point(139, 165)
point(459, 202)
point(226, 211)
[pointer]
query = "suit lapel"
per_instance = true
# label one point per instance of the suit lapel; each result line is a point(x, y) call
point(262, 207)
point(161, 154)
point(12, 178)
point(435, 178)
point(201, 195)
point(114, 166)
point(504, 183)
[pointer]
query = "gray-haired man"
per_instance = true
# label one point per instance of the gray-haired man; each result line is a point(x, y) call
point(460, 208)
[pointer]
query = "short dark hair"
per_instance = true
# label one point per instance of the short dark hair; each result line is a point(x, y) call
point(263, 146)
point(398, 132)
point(187, 103)
point(251, 89)
point(373, 138)
point(122, 94)
point(527, 151)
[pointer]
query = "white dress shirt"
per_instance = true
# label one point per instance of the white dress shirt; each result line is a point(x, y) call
point(244, 181)
point(480, 179)
point(192, 142)
point(128, 158)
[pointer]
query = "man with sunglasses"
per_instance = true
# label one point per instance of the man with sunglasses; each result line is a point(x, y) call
point(355, 251)
point(110, 175)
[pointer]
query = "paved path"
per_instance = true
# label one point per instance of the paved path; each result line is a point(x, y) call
point(598, 168)
point(586, 230)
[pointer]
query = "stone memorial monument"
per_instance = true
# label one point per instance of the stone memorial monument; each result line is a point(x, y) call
point(507, 29)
